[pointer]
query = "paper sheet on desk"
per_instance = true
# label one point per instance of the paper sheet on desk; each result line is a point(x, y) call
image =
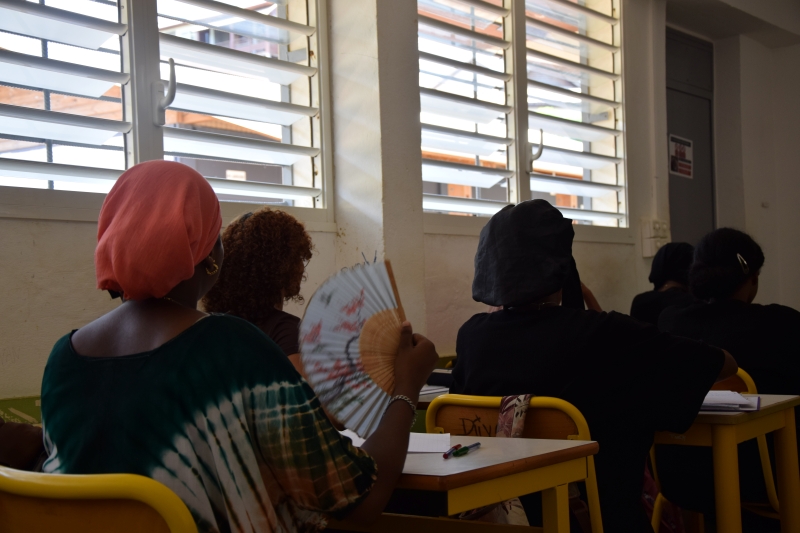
point(725, 400)
point(434, 389)
point(417, 442)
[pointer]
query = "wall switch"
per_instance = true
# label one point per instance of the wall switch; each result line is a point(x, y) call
point(655, 234)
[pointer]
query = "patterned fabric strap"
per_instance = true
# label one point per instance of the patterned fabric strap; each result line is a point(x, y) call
point(511, 420)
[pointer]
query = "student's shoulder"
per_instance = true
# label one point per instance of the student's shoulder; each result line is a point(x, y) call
point(235, 334)
point(779, 315)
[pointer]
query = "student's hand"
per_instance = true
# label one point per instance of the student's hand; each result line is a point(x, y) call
point(729, 368)
point(416, 359)
point(590, 300)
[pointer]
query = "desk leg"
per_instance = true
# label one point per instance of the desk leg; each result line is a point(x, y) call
point(555, 507)
point(788, 474)
point(726, 478)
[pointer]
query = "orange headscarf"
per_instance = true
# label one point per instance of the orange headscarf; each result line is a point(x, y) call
point(159, 221)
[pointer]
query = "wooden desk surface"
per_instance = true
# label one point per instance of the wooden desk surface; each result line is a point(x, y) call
point(497, 457)
point(770, 403)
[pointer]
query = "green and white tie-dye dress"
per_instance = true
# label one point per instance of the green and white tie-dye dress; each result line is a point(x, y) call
point(219, 415)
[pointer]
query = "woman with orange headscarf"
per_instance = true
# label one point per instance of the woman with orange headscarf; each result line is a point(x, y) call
point(205, 404)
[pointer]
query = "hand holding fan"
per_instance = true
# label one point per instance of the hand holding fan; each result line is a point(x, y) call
point(349, 338)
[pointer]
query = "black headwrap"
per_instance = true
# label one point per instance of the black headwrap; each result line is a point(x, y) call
point(671, 263)
point(525, 254)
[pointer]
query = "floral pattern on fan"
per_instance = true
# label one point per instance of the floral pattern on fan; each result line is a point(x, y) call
point(348, 339)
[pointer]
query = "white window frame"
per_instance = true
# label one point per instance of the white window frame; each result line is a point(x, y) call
point(144, 142)
point(520, 154)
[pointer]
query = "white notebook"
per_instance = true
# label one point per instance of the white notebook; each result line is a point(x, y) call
point(417, 442)
point(725, 400)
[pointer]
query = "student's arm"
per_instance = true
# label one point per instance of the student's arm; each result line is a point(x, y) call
point(729, 367)
point(388, 446)
point(295, 360)
point(590, 300)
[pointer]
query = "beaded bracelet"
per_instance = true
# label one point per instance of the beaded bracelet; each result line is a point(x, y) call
point(411, 404)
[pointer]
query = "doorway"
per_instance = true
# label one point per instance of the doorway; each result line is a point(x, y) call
point(690, 92)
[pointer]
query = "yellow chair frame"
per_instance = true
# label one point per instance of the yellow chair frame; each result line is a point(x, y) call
point(35, 501)
point(537, 402)
point(741, 382)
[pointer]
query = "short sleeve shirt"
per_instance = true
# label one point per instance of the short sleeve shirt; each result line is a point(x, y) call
point(219, 416)
point(627, 379)
point(648, 306)
point(283, 328)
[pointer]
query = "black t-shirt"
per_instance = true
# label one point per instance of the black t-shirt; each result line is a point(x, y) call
point(627, 379)
point(284, 330)
point(762, 338)
point(648, 306)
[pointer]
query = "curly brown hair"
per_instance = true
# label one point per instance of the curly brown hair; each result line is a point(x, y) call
point(266, 253)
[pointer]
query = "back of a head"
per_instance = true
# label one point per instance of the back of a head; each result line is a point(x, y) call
point(723, 260)
point(265, 256)
point(524, 253)
point(159, 220)
point(672, 263)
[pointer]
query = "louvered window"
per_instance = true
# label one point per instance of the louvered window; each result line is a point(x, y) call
point(61, 106)
point(246, 107)
point(462, 76)
point(574, 94)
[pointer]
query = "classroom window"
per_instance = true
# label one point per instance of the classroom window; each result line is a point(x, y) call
point(574, 96)
point(246, 111)
point(463, 108)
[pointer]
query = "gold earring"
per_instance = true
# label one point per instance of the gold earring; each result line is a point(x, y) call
point(214, 269)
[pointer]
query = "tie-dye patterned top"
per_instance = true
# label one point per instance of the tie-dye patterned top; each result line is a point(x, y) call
point(219, 415)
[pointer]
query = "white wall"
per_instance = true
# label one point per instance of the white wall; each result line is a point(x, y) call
point(49, 289)
point(757, 159)
point(786, 150)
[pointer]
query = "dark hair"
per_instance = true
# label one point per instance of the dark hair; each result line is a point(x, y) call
point(671, 263)
point(723, 260)
point(265, 256)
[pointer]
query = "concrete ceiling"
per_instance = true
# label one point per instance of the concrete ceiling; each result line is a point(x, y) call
point(716, 19)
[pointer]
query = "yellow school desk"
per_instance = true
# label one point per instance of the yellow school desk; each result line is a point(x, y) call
point(723, 431)
point(499, 470)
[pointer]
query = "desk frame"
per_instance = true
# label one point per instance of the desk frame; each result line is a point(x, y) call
point(723, 433)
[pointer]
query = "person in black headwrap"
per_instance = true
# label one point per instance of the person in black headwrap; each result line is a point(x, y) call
point(627, 378)
point(670, 278)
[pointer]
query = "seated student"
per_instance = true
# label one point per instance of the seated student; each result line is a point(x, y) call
point(206, 404)
point(266, 253)
point(669, 275)
point(627, 378)
point(762, 338)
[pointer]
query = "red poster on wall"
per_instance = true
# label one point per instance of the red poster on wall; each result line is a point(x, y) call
point(680, 156)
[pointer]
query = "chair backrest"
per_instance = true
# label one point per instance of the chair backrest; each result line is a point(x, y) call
point(105, 502)
point(547, 418)
point(741, 382)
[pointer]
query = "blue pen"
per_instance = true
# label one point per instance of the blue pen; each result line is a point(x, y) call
point(466, 449)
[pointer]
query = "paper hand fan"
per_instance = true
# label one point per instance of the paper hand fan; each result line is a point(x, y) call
point(348, 339)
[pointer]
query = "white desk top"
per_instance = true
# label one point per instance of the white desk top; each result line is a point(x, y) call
point(495, 458)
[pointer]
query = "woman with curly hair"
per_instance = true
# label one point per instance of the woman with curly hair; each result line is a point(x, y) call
point(266, 253)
